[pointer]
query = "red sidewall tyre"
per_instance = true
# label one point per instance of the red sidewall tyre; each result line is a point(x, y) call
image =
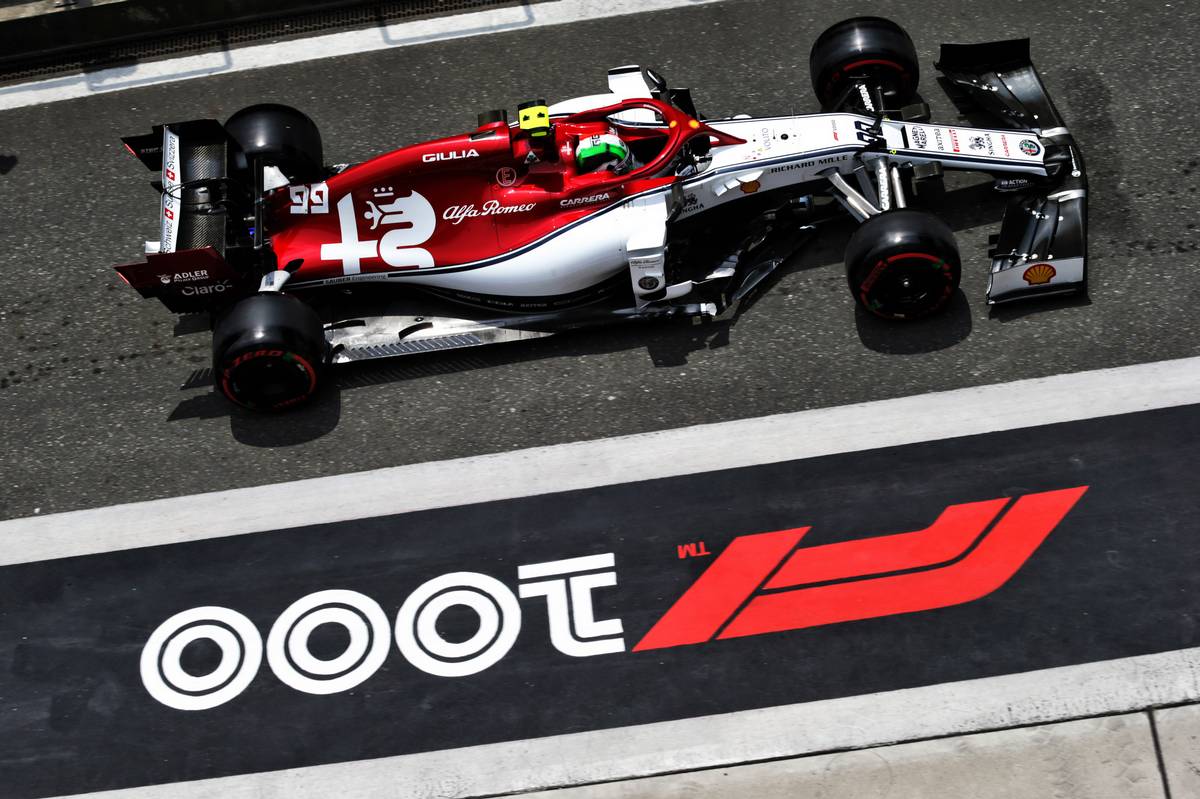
point(903, 265)
point(269, 353)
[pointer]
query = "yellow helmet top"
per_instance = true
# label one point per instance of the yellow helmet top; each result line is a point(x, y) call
point(534, 117)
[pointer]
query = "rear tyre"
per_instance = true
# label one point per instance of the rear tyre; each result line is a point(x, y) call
point(269, 352)
point(871, 47)
point(280, 136)
point(903, 264)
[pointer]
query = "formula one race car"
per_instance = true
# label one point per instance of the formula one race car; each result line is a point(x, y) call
point(617, 206)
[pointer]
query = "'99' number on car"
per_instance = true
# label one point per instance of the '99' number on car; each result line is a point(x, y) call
point(312, 199)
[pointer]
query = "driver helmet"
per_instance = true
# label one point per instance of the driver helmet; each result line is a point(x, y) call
point(534, 118)
point(602, 149)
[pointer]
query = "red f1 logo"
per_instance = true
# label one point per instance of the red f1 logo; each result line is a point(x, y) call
point(763, 584)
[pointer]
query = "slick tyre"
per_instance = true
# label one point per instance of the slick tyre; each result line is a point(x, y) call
point(269, 353)
point(873, 47)
point(282, 137)
point(903, 265)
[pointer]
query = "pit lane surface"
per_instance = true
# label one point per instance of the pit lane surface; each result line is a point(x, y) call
point(554, 633)
point(91, 411)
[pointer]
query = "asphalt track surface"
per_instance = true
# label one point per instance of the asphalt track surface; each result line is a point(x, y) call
point(91, 409)
point(1076, 546)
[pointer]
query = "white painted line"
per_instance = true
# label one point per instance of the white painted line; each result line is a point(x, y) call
point(588, 464)
point(991, 703)
point(402, 34)
point(569, 566)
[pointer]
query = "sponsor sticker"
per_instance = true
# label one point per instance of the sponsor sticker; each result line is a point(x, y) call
point(1030, 147)
point(506, 176)
point(169, 228)
point(764, 140)
point(195, 283)
point(457, 214)
point(452, 155)
point(204, 291)
point(920, 138)
point(1039, 274)
point(646, 262)
point(184, 277)
point(832, 159)
point(577, 201)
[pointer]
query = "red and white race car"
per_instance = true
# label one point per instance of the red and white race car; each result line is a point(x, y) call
point(617, 206)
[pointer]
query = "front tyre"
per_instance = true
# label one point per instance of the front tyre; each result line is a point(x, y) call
point(874, 49)
point(903, 264)
point(269, 352)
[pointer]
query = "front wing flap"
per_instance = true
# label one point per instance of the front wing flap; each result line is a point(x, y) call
point(1042, 245)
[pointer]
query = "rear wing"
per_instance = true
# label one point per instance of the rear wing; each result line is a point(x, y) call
point(185, 267)
point(193, 161)
point(187, 281)
point(1042, 245)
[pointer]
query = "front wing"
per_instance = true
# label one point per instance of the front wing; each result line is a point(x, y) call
point(1042, 245)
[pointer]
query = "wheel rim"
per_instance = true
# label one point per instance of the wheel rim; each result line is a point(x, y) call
point(891, 75)
point(268, 379)
point(908, 285)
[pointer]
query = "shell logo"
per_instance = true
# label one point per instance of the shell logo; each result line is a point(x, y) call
point(1039, 274)
point(750, 186)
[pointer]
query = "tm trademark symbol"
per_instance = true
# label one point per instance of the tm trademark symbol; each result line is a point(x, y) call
point(693, 550)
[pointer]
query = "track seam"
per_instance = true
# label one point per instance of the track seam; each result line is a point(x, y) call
point(1158, 753)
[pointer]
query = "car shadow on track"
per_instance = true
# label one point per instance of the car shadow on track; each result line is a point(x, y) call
point(911, 338)
point(7, 162)
point(1010, 313)
point(668, 343)
point(304, 424)
point(298, 426)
